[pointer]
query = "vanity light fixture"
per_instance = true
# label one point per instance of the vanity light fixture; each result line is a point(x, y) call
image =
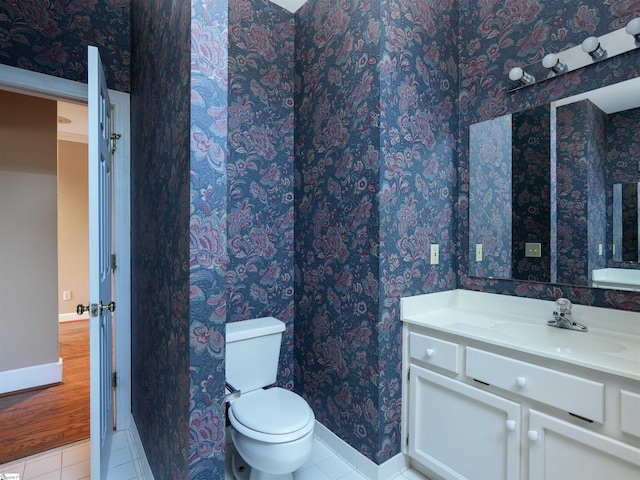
point(591, 45)
point(553, 63)
point(633, 28)
point(518, 75)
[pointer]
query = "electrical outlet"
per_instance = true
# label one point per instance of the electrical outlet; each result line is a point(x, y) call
point(435, 254)
point(478, 252)
point(532, 249)
point(66, 295)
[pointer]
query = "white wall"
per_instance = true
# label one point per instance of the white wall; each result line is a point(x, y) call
point(28, 232)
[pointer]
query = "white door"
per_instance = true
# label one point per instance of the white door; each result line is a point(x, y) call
point(101, 305)
point(461, 432)
point(559, 450)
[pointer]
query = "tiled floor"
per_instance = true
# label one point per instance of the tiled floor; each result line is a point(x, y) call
point(72, 462)
point(326, 465)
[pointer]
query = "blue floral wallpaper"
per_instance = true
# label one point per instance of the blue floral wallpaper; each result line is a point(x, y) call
point(51, 37)
point(374, 188)
point(531, 192)
point(208, 257)
point(260, 230)
point(490, 198)
point(160, 234)
point(497, 36)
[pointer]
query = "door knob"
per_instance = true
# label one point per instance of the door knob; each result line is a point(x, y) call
point(111, 306)
point(80, 309)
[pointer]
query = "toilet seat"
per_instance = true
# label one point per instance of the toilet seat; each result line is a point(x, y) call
point(274, 415)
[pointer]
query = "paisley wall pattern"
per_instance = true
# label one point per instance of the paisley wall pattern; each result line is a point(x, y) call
point(52, 37)
point(159, 230)
point(375, 183)
point(208, 258)
point(495, 37)
point(260, 168)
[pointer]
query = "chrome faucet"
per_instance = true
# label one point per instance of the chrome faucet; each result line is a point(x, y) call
point(562, 317)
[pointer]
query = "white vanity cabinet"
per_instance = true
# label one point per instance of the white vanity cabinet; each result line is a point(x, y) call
point(480, 412)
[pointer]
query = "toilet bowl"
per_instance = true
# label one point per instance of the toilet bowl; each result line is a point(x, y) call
point(271, 428)
point(272, 431)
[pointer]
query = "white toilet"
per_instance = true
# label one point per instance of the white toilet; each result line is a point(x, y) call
point(272, 428)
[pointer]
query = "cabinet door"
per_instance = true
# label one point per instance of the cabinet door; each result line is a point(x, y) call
point(559, 450)
point(462, 432)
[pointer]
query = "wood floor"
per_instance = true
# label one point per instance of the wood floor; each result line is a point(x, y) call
point(37, 420)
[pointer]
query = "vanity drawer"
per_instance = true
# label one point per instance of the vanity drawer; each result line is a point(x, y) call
point(433, 351)
point(567, 392)
point(630, 413)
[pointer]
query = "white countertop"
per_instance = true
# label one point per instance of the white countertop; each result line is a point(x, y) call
point(611, 345)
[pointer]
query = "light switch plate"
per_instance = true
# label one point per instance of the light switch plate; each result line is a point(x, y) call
point(435, 254)
point(532, 249)
point(478, 252)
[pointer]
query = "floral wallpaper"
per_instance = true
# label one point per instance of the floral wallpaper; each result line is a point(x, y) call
point(497, 36)
point(260, 231)
point(51, 37)
point(208, 257)
point(490, 198)
point(374, 188)
point(159, 234)
point(531, 192)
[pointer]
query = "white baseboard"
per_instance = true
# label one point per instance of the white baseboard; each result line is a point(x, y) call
point(31, 377)
point(365, 467)
point(72, 317)
point(139, 453)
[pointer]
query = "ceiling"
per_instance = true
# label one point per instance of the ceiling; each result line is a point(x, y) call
point(76, 129)
point(291, 5)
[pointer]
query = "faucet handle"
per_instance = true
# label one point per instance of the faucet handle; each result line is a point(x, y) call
point(563, 306)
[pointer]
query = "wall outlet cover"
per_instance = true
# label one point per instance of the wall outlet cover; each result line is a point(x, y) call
point(532, 249)
point(435, 254)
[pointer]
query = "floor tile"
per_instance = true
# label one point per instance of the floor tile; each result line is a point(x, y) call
point(352, 475)
point(320, 452)
point(313, 473)
point(76, 454)
point(43, 465)
point(47, 476)
point(413, 475)
point(334, 467)
point(76, 471)
point(125, 471)
point(14, 467)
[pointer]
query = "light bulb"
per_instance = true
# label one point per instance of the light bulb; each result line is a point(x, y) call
point(591, 45)
point(518, 75)
point(553, 63)
point(633, 28)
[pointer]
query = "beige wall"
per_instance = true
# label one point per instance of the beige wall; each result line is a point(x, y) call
point(28, 232)
point(73, 225)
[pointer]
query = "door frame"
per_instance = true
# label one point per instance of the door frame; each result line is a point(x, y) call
point(47, 86)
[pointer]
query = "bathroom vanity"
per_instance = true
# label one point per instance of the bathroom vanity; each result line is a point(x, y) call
point(492, 392)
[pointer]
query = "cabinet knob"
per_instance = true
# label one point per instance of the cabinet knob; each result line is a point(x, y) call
point(511, 425)
point(521, 381)
point(533, 435)
point(429, 352)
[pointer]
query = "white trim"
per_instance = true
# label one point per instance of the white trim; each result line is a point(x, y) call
point(138, 452)
point(365, 467)
point(72, 317)
point(31, 377)
point(33, 83)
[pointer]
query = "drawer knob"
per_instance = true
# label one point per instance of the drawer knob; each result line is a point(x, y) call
point(429, 352)
point(521, 381)
point(533, 435)
point(511, 425)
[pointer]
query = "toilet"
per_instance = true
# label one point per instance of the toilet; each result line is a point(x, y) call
point(271, 428)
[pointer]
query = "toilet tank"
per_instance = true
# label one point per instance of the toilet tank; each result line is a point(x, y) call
point(253, 352)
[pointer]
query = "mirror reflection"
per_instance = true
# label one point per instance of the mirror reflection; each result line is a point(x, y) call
point(554, 191)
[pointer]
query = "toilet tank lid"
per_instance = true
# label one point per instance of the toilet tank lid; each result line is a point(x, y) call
point(256, 327)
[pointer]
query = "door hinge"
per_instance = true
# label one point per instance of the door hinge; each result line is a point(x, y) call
point(113, 262)
point(408, 374)
point(114, 380)
point(407, 442)
point(114, 137)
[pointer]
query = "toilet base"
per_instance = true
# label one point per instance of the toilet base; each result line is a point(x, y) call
point(242, 471)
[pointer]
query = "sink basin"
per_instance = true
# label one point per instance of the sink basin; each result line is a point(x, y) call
point(560, 339)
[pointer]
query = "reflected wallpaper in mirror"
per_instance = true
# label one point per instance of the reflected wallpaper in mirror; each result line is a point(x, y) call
point(542, 205)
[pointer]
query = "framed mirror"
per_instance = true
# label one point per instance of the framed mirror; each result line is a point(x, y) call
point(554, 191)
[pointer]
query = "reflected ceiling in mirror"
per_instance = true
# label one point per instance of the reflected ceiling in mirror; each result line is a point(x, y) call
point(542, 187)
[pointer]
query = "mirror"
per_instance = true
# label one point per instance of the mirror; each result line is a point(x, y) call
point(554, 191)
